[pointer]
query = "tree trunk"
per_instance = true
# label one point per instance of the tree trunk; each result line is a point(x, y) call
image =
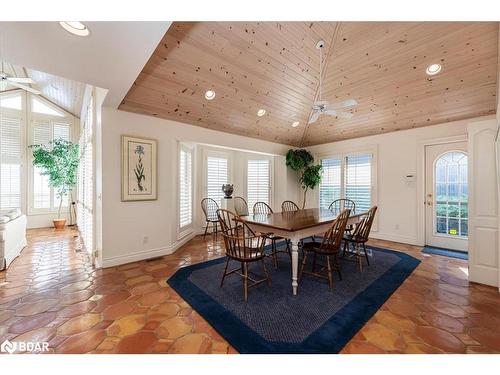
point(60, 205)
point(304, 202)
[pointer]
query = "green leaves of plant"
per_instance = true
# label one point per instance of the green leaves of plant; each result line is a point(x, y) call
point(298, 159)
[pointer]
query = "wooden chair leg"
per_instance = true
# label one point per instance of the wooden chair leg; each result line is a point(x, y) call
point(275, 256)
point(330, 277)
point(303, 266)
point(265, 272)
point(366, 254)
point(314, 263)
point(245, 280)
point(337, 266)
point(225, 271)
point(206, 229)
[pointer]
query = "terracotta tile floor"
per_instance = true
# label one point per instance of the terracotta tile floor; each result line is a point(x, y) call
point(51, 293)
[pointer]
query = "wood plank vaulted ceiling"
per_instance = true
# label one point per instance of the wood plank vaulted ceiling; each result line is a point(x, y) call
point(275, 66)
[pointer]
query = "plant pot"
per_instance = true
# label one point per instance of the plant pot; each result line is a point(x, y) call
point(59, 223)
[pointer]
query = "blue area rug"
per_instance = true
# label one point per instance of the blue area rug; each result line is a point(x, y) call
point(445, 252)
point(274, 321)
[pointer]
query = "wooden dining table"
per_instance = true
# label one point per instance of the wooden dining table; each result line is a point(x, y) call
point(296, 225)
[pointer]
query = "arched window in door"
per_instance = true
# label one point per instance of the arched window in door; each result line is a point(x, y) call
point(451, 192)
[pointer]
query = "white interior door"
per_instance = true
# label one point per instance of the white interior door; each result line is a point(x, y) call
point(446, 196)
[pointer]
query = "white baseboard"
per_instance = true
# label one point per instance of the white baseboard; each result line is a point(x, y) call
point(395, 238)
point(146, 254)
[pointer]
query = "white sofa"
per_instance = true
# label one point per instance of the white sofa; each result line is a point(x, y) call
point(12, 237)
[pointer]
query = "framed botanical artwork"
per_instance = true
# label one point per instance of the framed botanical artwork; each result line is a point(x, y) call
point(139, 169)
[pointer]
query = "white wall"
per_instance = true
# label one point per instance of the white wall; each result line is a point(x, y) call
point(140, 230)
point(400, 214)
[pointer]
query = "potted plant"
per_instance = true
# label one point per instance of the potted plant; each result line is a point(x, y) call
point(302, 161)
point(59, 161)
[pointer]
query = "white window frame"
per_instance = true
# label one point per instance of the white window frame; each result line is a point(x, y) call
point(371, 150)
point(74, 134)
point(21, 115)
point(216, 154)
point(186, 229)
point(271, 177)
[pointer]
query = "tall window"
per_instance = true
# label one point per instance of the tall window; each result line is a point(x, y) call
point(217, 175)
point(44, 131)
point(85, 201)
point(258, 182)
point(10, 151)
point(347, 177)
point(185, 188)
point(330, 188)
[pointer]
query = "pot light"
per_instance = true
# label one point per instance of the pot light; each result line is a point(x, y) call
point(433, 69)
point(295, 124)
point(209, 94)
point(75, 28)
point(261, 112)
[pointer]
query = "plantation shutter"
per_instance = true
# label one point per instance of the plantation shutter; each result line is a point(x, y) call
point(185, 188)
point(358, 180)
point(216, 177)
point(258, 182)
point(41, 189)
point(330, 186)
point(10, 162)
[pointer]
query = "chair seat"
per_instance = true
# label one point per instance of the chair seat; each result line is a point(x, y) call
point(272, 236)
point(253, 255)
point(351, 238)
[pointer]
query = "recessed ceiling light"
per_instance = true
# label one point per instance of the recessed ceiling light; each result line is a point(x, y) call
point(75, 28)
point(261, 112)
point(209, 94)
point(295, 124)
point(433, 69)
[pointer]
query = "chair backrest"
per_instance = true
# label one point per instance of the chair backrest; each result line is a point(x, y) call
point(240, 206)
point(262, 208)
point(333, 237)
point(289, 206)
point(363, 228)
point(341, 204)
point(240, 241)
point(209, 207)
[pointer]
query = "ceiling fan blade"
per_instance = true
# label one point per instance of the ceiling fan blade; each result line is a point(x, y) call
point(314, 117)
point(330, 112)
point(27, 88)
point(20, 80)
point(344, 115)
point(343, 104)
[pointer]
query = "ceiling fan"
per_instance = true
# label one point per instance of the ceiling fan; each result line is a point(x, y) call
point(322, 107)
point(19, 82)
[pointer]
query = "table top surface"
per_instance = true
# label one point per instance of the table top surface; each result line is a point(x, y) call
point(295, 220)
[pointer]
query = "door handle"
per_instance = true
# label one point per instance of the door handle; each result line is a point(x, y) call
point(429, 203)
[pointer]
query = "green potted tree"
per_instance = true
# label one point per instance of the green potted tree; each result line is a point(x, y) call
point(59, 161)
point(302, 161)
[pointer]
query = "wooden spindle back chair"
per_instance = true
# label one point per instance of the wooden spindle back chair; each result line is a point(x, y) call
point(329, 247)
point(240, 206)
point(289, 206)
point(244, 246)
point(360, 236)
point(262, 208)
point(209, 208)
point(340, 204)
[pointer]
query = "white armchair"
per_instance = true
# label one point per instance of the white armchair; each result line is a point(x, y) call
point(12, 237)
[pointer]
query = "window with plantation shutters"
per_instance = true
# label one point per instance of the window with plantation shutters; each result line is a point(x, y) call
point(331, 183)
point(217, 175)
point(358, 180)
point(348, 176)
point(258, 182)
point(185, 188)
point(44, 130)
point(10, 161)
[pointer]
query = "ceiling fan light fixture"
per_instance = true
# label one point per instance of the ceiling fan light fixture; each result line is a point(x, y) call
point(75, 28)
point(210, 94)
point(261, 112)
point(433, 69)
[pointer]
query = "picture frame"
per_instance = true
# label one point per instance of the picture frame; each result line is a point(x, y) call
point(139, 169)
